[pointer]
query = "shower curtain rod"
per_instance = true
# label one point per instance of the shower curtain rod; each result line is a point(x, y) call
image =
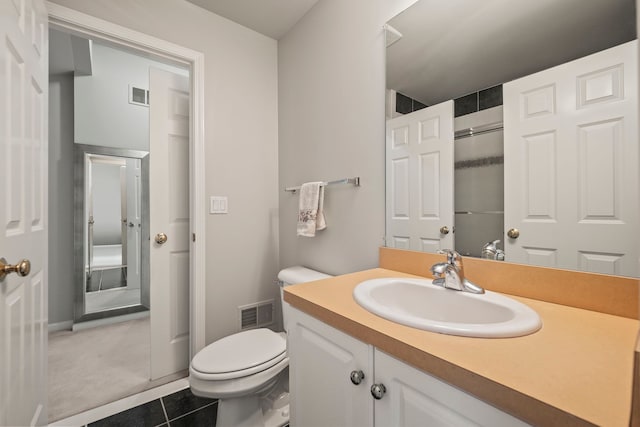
point(476, 130)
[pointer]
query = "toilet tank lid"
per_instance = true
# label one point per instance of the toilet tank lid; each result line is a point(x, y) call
point(299, 274)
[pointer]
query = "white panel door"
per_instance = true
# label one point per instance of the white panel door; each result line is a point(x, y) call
point(133, 222)
point(320, 365)
point(415, 398)
point(571, 164)
point(419, 153)
point(169, 207)
point(23, 211)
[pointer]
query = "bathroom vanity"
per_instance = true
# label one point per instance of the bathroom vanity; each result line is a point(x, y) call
point(576, 370)
point(332, 375)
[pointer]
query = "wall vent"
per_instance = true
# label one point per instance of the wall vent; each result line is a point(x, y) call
point(256, 315)
point(138, 96)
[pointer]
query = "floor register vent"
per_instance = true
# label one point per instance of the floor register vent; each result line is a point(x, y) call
point(256, 315)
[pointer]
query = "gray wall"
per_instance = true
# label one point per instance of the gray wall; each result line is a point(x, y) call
point(103, 114)
point(61, 290)
point(331, 126)
point(241, 154)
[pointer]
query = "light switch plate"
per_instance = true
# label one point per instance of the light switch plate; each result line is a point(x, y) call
point(218, 205)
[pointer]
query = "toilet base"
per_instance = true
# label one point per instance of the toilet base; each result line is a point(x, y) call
point(277, 417)
point(247, 412)
point(239, 412)
point(249, 402)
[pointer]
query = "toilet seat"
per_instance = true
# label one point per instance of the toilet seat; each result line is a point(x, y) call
point(240, 355)
point(246, 371)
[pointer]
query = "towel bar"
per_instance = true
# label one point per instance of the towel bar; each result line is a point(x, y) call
point(355, 181)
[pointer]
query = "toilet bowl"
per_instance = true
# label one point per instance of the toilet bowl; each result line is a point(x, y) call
point(248, 371)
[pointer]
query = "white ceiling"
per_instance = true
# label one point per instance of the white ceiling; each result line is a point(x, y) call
point(455, 47)
point(273, 18)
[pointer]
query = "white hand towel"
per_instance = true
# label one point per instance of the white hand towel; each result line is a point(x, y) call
point(310, 209)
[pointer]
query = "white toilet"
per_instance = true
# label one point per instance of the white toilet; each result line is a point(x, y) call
point(248, 371)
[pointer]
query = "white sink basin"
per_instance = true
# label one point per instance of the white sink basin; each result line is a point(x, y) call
point(420, 304)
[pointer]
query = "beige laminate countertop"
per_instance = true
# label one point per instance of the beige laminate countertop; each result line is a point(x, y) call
point(577, 370)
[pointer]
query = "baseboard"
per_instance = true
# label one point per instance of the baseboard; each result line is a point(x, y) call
point(67, 325)
point(109, 320)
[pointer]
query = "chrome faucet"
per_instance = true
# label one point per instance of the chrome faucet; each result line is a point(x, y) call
point(491, 251)
point(450, 274)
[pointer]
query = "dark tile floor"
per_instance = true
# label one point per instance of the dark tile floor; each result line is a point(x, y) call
point(108, 278)
point(175, 410)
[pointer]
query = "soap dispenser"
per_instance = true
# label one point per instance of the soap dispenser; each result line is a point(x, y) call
point(490, 251)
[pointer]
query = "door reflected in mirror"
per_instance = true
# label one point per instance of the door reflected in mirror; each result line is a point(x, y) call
point(111, 225)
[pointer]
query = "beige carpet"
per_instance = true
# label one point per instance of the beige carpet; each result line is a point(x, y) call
point(92, 367)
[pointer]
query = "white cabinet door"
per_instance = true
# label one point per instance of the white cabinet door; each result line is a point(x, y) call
point(571, 164)
point(419, 168)
point(321, 361)
point(322, 394)
point(414, 398)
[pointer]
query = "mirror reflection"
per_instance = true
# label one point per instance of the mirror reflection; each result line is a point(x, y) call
point(512, 132)
point(112, 216)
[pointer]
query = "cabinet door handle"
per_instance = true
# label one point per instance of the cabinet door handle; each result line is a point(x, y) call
point(357, 377)
point(378, 390)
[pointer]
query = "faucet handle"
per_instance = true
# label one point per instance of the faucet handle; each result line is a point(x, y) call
point(438, 270)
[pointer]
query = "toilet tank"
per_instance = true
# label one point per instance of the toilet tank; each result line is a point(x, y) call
point(293, 276)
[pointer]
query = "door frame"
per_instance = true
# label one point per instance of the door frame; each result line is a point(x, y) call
point(89, 26)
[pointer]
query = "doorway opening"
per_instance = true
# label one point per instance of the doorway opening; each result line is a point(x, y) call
point(75, 25)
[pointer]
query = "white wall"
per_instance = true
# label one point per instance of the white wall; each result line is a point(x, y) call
point(103, 114)
point(241, 144)
point(61, 289)
point(331, 126)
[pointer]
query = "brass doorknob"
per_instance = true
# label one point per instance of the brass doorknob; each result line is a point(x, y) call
point(161, 238)
point(22, 268)
point(444, 230)
point(514, 233)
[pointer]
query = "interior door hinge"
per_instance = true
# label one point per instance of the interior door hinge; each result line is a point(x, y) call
point(193, 237)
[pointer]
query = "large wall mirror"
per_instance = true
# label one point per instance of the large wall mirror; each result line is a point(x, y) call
point(512, 132)
point(111, 224)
